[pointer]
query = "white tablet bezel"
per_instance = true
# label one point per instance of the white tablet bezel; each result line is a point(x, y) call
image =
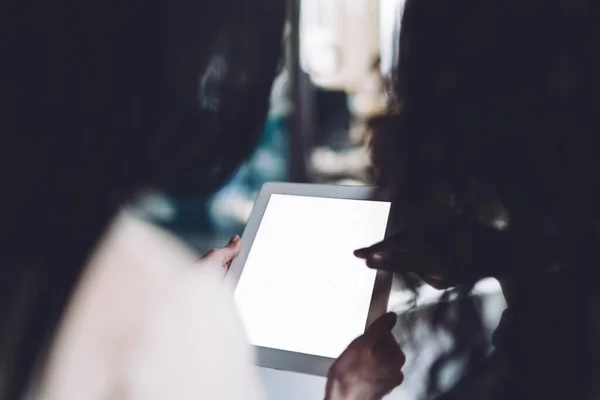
point(283, 359)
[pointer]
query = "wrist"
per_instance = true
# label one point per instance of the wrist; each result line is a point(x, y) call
point(339, 390)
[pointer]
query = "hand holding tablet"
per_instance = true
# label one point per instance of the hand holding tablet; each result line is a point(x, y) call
point(370, 367)
point(301, 293)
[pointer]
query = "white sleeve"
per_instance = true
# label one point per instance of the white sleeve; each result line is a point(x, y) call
point(149, 322)
point(215, 362)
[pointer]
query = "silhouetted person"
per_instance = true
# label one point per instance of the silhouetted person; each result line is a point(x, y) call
point(491, 158)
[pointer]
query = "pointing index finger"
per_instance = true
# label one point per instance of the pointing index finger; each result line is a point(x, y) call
point(387, 245)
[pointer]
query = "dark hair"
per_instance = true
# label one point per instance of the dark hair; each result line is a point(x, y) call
point(494, 96)
point(103, 99)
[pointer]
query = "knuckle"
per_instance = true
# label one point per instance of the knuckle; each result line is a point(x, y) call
point(399, 379)
point(402, 357)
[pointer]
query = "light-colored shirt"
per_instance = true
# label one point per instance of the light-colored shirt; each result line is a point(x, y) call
point(149, 321)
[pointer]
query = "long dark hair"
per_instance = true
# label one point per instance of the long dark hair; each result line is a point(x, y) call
point(496, 96)
point(103, 99)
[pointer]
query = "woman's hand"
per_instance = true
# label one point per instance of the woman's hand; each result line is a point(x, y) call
point(370, 367)
point(443, 254)
point(223, 256)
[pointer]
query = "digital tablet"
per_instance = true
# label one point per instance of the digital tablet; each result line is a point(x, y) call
point(301, 293)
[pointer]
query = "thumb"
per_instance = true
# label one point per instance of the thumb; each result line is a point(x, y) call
point(225, 254)
point(383, 324)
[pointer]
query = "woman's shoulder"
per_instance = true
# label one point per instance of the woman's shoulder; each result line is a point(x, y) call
point(144, 321)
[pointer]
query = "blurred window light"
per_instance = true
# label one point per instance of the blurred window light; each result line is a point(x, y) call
point(339, 41)
point(390, 14)
point(318, 26)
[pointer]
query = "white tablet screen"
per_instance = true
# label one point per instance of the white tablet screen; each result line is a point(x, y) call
point(301, 288)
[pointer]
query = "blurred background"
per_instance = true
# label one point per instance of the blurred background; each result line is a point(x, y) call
point(338, 55)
